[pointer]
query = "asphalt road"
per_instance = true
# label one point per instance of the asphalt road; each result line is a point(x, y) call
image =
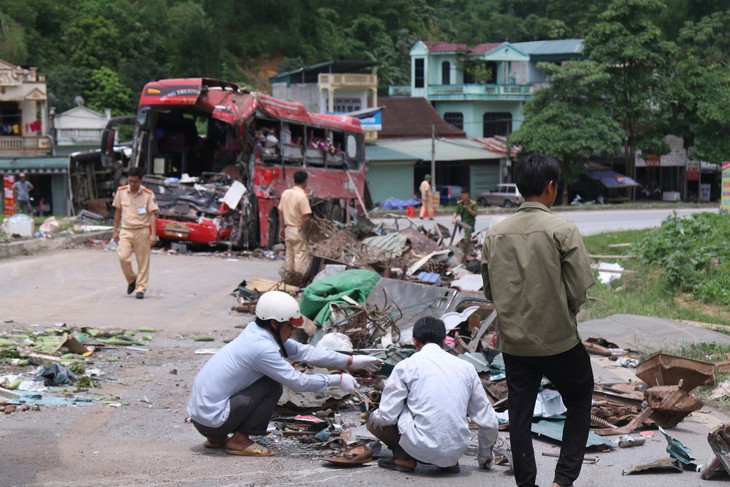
point(137, 435)
point(590, 222)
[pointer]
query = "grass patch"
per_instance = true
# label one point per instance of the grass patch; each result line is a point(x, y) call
point(681, 271)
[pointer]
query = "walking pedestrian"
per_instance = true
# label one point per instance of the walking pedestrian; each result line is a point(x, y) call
point(426, 197)
point(136, 209)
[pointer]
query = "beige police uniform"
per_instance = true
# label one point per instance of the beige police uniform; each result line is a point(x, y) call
point(294, 206)
point(426, 199)
point(138, 212)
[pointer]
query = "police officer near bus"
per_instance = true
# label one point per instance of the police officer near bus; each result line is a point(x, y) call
point(136, 209)
point(294, 210)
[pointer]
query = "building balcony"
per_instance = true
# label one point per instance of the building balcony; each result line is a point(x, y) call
point(399, 90)
point(480, 92)
point(22, 146)
point(345, 80)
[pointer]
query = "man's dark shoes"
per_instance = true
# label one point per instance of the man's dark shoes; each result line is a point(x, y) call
point(132, 285)
point(391, 465)
point(452, 469)
point(140, 296)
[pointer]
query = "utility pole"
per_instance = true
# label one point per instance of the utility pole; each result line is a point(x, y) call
point(433, 157)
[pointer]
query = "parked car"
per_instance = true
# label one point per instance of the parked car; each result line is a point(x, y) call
point(506, 195)
point(449, 194)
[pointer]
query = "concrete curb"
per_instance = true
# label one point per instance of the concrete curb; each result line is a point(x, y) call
point(38, 245)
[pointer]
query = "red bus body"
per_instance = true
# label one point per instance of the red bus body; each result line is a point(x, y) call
point(203, 141)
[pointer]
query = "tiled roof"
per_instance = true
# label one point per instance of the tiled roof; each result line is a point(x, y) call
point(440, 46)
point(413, 117)
point(480, 49)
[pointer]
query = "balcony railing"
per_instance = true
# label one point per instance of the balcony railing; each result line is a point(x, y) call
point(480, 91)
point(25, 146)
point(399, 90)
point(348, 79)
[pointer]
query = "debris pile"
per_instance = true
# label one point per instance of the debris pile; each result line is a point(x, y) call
point(59, 364)
point(369, 284)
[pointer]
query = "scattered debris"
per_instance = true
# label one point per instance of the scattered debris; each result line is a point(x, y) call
point(719, 440)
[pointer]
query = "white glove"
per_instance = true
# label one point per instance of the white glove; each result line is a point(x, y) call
point(346, 382)
point(366, 363)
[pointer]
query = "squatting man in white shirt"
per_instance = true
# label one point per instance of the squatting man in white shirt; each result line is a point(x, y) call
point(238, 388)
point(424, 407)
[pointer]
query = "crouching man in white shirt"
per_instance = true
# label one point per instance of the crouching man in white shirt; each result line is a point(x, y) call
point(238, 388)
point(425, 403)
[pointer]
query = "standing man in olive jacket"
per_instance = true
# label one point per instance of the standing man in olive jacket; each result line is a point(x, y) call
point(536, 270)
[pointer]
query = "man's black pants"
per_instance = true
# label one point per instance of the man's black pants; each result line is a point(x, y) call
point(250, 412)
point(571, 374)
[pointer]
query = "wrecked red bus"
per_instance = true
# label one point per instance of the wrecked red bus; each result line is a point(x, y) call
point(218, 157)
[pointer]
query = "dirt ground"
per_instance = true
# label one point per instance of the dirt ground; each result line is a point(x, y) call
point(133, 432)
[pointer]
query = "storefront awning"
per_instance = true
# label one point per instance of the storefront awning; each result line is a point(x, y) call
point(34, 165)
point(612, 179)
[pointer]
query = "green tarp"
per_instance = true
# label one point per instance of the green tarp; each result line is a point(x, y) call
point(354, 283)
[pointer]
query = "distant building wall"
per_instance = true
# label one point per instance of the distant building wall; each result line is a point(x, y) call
point(305, 93)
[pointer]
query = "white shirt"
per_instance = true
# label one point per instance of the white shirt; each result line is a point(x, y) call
point(251, 356)
point(429, 396)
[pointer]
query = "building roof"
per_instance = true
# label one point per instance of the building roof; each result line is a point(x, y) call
point(560, 49)
point(80, 117)
point(310, 74)
point(33, 165)
point(553, 50)
point(413, 117)
point(440, 46)
point(447, 150)
point(480, 49)
point(381, 153)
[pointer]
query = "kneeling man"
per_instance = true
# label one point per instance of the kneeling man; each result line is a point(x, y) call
point(425, 403)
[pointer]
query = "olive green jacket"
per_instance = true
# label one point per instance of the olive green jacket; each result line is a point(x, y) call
point(536, 271)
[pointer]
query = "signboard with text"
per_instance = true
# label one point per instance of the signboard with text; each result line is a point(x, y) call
point(725, 205)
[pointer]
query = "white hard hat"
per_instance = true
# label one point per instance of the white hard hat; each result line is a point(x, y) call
point(279, 306)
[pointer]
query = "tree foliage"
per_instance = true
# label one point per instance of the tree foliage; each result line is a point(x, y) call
point(666, 59)
point(631, 46)
point(569, 120)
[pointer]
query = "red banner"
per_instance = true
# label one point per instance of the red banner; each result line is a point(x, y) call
point(8, 195)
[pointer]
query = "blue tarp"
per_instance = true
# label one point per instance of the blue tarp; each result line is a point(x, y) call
point(396, 204)
point(611, 179)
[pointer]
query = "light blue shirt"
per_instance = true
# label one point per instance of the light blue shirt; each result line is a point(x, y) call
point(251, 356)
point(23, 188)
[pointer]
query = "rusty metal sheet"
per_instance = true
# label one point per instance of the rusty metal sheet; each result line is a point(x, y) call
point(665, 465)
point(670, 405)
point(420, 243)
point(662, 369)
point(719, 440)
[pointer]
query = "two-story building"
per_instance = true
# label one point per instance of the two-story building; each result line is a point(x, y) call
point(23, 112)
point(482, 89)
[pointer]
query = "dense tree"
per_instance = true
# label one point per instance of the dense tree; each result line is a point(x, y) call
point(105, 90)
point(193, 45)
point(701, 87)
point(12, 41)
point(569, 119)
point(638, 59)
